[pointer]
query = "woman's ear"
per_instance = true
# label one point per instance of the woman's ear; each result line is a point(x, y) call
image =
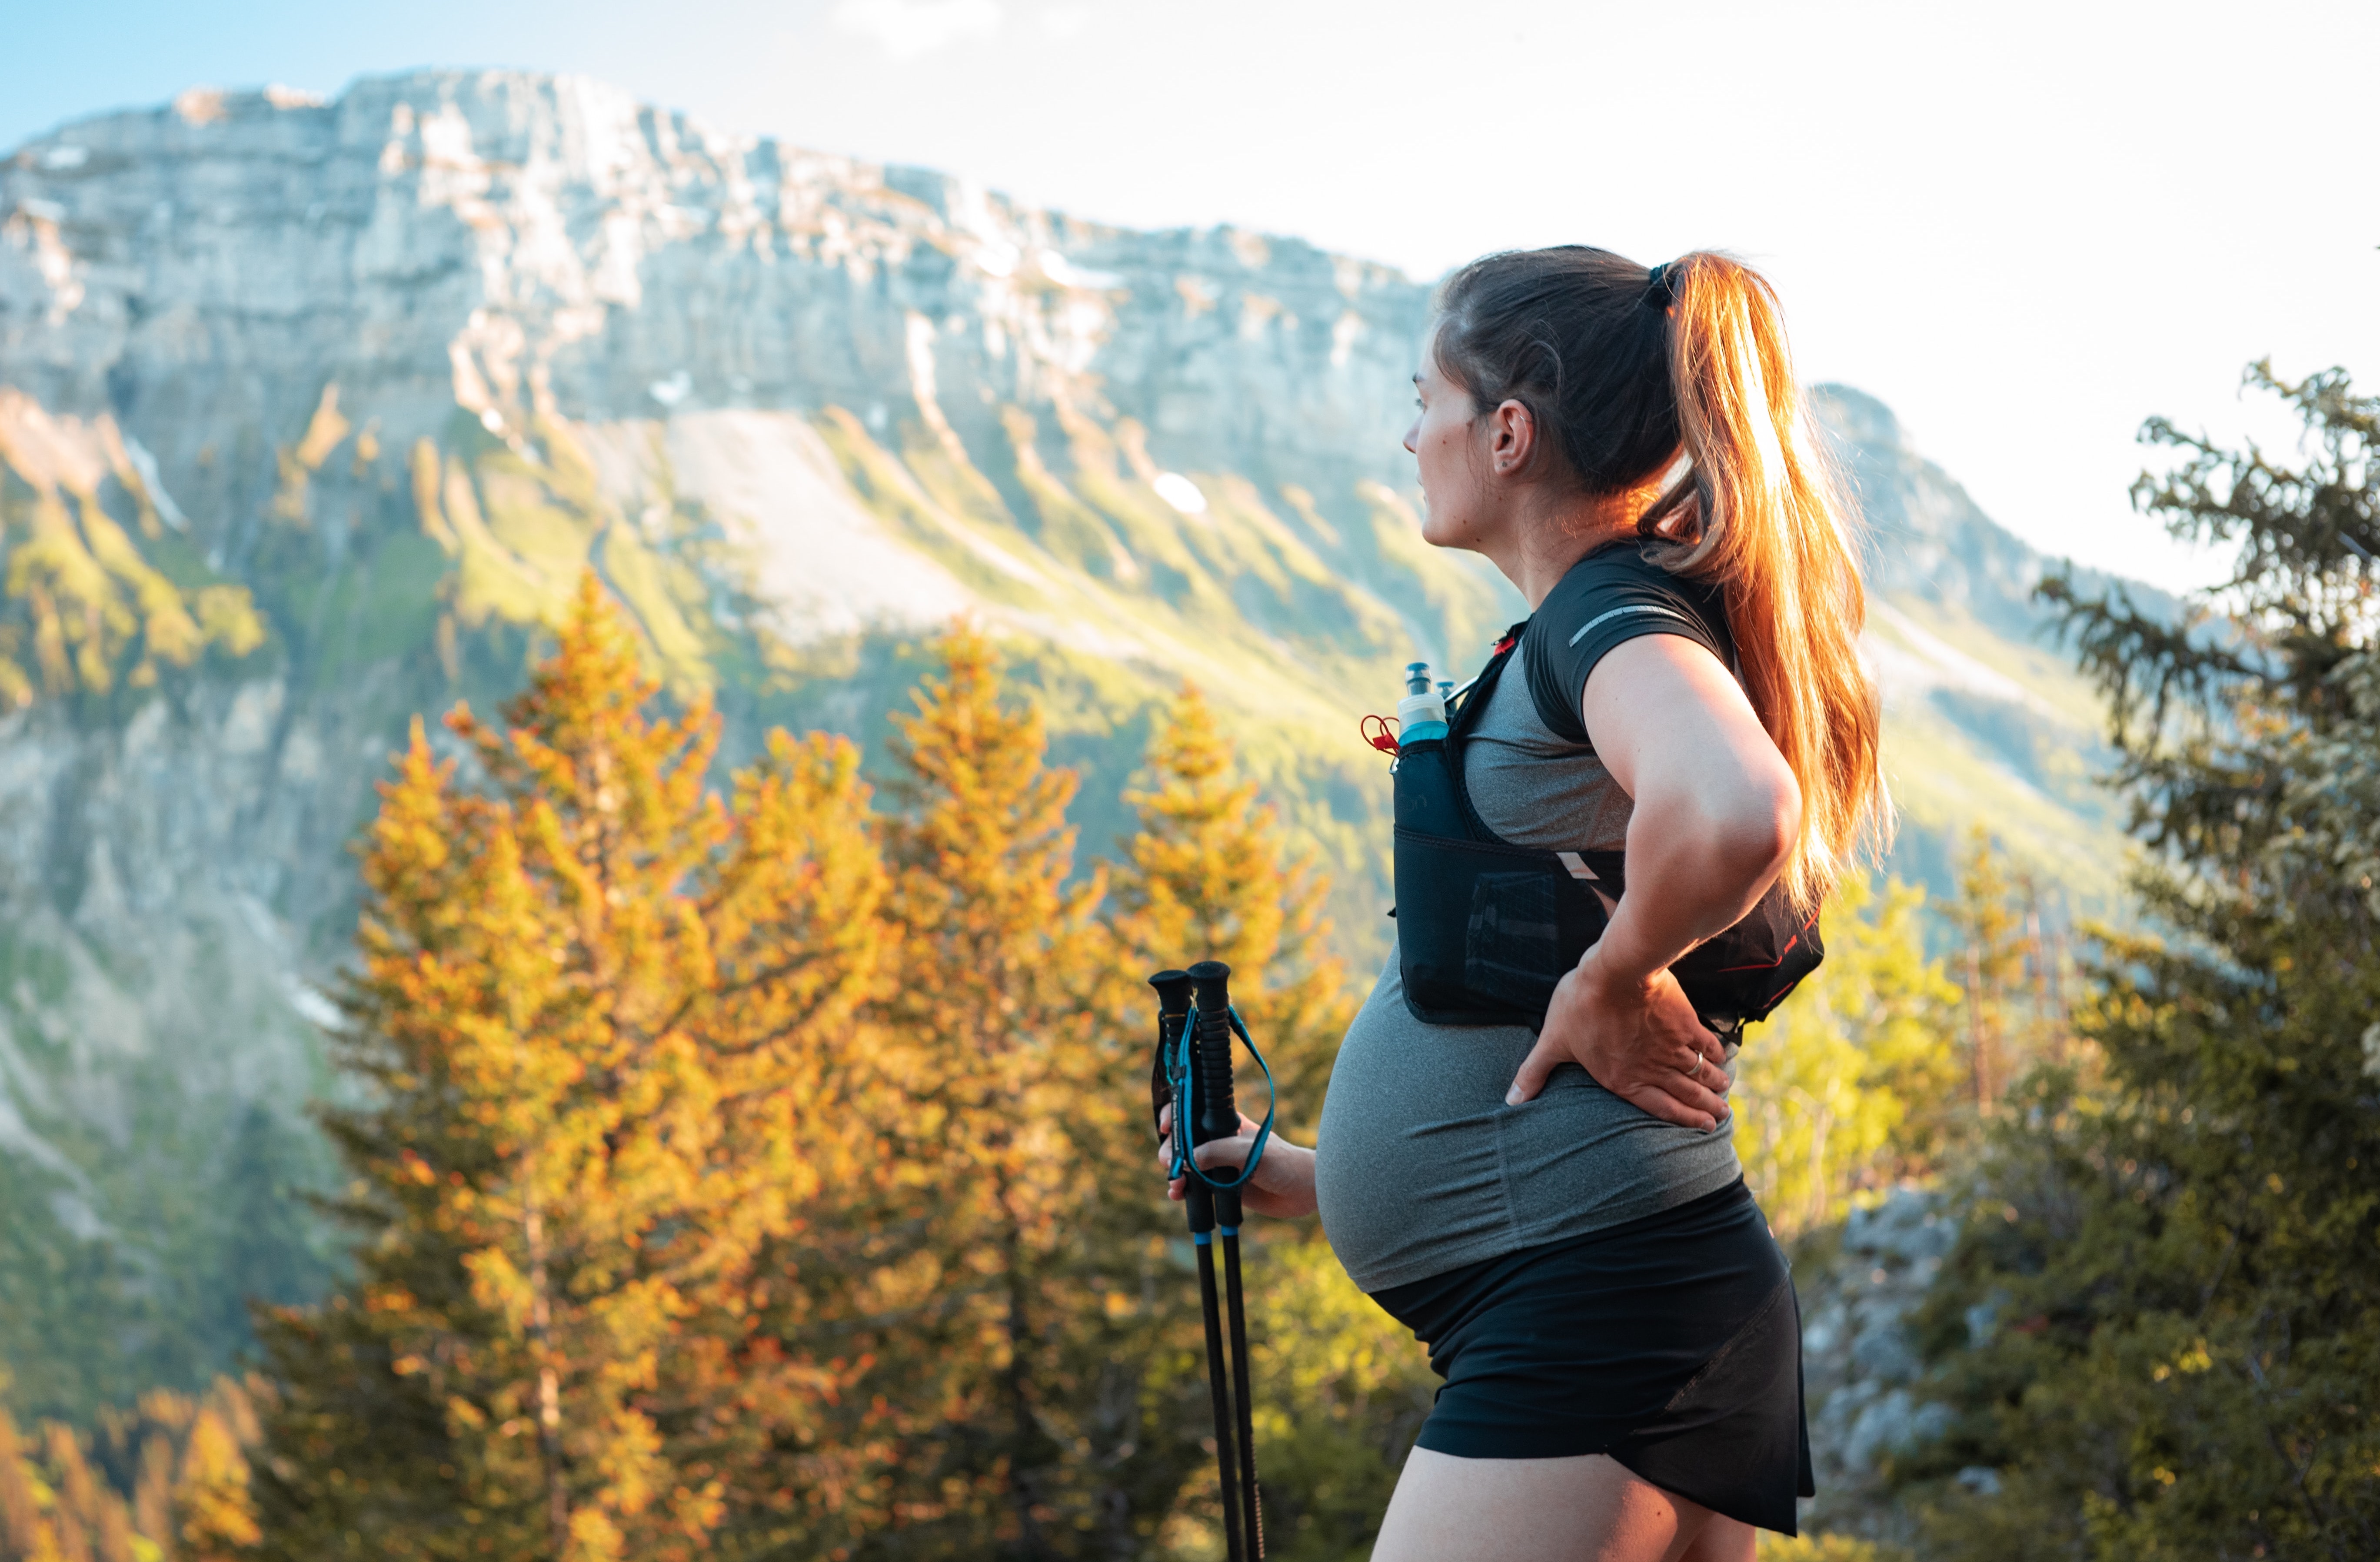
point(1512, 439)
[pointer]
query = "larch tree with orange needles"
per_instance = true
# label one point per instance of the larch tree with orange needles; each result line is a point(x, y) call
point(606, 1027)
point(1022, 1303)
point(1210, 875)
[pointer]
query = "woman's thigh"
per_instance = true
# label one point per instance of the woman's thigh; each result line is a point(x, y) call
point(1587, 1508)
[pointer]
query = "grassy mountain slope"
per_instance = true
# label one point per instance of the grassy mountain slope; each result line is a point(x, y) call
point(1986, 721)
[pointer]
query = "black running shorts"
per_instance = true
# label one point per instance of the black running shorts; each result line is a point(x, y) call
point(1672, 1343)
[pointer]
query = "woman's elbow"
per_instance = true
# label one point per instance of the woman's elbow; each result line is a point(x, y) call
point(1764, 823)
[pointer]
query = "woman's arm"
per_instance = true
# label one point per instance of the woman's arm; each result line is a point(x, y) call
point(1716, 813)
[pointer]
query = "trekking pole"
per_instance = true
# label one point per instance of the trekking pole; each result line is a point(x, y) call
point(1177, 1066)
point(1211, 986)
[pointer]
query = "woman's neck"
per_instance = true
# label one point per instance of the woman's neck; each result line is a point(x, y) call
point(1543, 543)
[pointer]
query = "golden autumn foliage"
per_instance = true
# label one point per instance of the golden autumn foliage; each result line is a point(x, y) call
point(167, 1482)
point(1209, 876)
point(604, 1016)
point(766, 1173)
point(1017, 1366)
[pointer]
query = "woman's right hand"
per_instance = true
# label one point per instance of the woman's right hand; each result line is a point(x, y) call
point(1284, 1185)
point(1639, 1039)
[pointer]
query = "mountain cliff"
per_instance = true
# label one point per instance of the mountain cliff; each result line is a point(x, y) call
point(312, 413)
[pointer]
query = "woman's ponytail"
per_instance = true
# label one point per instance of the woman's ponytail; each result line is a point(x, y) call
point(1757, 509)
point(1683, 369)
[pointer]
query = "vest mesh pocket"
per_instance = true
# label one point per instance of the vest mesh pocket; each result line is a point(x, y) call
point(1511, 947)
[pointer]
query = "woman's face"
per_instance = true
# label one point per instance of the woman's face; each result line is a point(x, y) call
point(1448, 440)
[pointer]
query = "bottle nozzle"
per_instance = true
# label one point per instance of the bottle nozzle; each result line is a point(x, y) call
point(1416, 677)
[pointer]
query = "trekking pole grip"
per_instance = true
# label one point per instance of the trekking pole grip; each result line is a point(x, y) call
point(1173, 1013)
point(1218, 1112)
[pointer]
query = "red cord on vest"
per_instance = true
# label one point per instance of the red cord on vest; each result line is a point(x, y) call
point(1382, 736)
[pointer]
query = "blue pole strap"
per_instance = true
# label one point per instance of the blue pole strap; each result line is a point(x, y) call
point(1177, 1074)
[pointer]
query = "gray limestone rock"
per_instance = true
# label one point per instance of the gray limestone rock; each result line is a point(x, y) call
point(1865, 1397)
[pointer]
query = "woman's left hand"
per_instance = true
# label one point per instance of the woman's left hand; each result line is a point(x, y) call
point(1284, 1185)
point(1639, 1039)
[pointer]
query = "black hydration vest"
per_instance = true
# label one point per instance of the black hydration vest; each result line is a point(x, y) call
point(1485, 928)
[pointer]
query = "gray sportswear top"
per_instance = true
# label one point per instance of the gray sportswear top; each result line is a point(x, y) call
point(1420, 1166)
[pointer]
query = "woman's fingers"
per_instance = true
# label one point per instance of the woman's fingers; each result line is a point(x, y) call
point(1684, 1103)
point(1668, 1109)
point(1700, 1098)
point(1706, 1071)
point(1693, 1050)
point(1214, 1155)
point(1535, 1069)
point(1284, 1183)
point(1226, 1155)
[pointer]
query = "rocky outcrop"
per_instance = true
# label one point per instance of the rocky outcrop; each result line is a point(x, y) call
point(215, 275)
point(1860, 1287)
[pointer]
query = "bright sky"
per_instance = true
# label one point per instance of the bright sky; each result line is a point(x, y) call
point(2026, 226)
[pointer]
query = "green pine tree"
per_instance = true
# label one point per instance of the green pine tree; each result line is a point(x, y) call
point(2164, 1321)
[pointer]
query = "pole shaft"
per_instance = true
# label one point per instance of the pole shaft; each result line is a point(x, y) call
point(1227, 1485)
point(1212, 1113)
point(1251, 1501)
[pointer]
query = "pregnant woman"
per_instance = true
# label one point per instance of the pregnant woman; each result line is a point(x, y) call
point(1553, 1205)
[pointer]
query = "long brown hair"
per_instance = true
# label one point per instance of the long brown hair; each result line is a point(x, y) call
point(1635, 372)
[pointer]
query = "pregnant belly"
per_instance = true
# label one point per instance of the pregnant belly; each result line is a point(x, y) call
point(1421, 1166)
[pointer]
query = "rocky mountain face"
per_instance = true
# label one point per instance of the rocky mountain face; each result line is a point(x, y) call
point(313, 413)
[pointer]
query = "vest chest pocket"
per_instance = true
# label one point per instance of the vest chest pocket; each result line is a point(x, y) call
point(1512, 945)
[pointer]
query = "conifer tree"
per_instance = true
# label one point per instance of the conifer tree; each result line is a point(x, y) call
point(1341, 1386)
point(2163, 1324)
point(22, 1530)
point(64, 1496)
point(1991, 955)
point(209, 1515)
point(1026, 1436)
point(600, 1024)
point(1207, 876)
